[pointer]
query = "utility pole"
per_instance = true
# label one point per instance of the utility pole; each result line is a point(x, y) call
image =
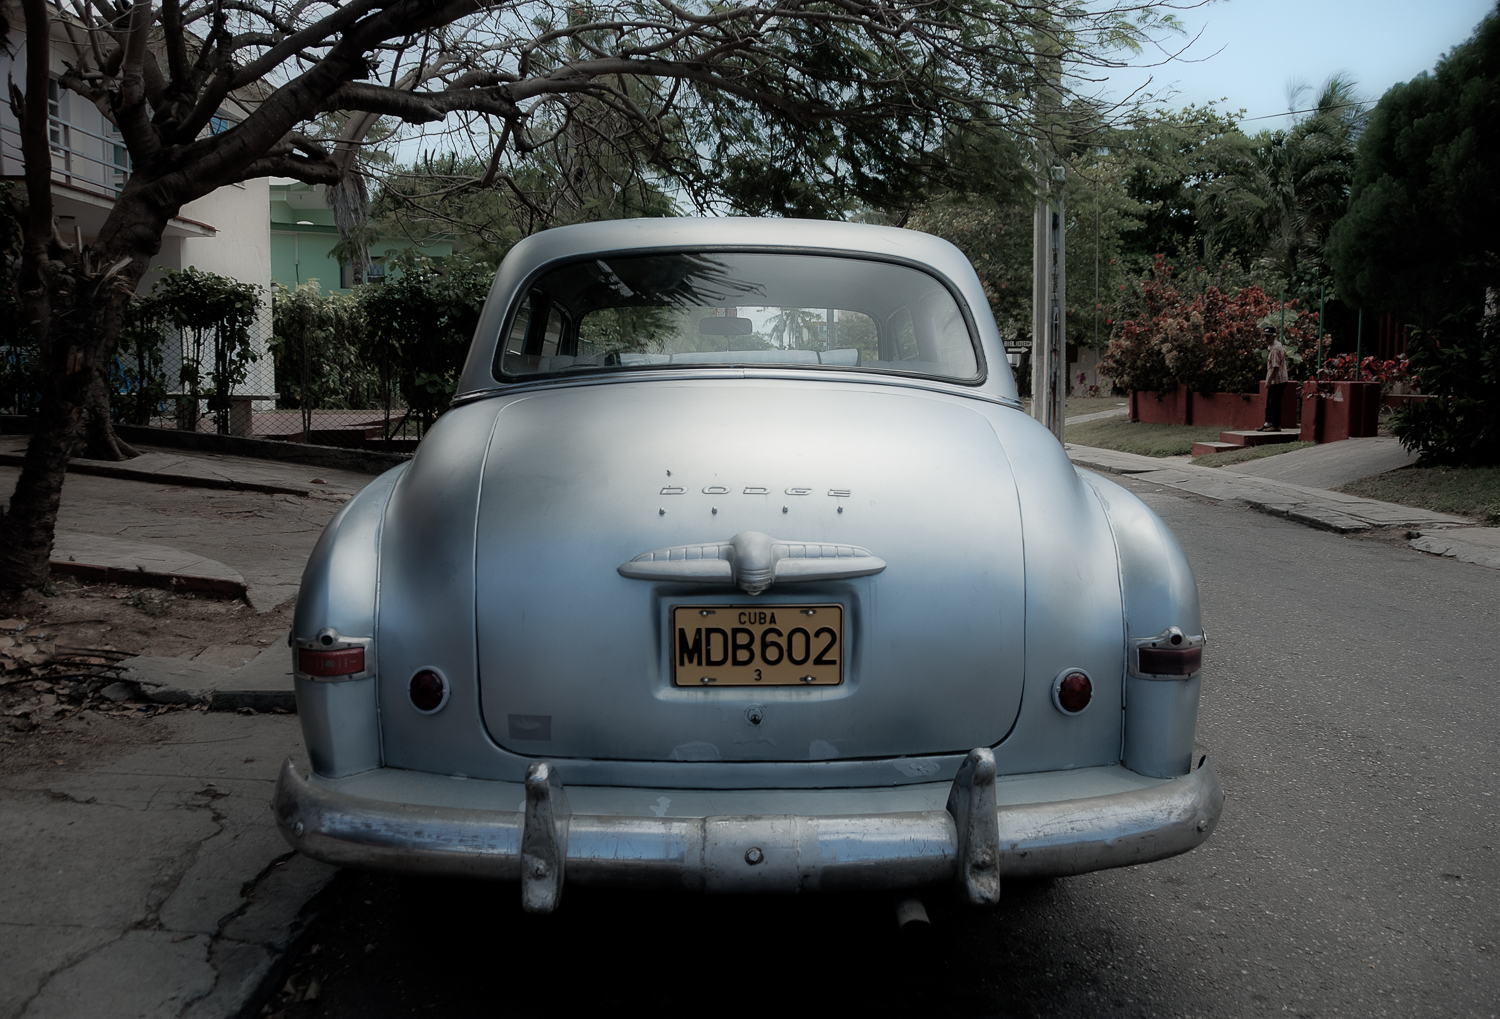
point(1049, 365)
point(1049, 362)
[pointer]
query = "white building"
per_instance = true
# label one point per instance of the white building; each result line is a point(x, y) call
point(227, 232)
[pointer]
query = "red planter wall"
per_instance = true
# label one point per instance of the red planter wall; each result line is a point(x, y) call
point(1351, 411)
point(1230, 411)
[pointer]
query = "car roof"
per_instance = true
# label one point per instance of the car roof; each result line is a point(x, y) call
point(615, 237)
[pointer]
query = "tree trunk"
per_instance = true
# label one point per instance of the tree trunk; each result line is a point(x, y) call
point(84, 311)
point(76, 309)
point(97, 439)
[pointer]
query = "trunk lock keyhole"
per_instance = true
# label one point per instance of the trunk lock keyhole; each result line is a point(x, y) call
point(755, 714)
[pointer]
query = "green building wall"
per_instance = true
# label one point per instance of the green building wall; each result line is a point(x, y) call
point(302, 239)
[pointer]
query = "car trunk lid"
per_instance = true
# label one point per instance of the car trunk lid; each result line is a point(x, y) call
point(576, 659)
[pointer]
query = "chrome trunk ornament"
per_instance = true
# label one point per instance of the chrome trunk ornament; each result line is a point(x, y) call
point(753, 560)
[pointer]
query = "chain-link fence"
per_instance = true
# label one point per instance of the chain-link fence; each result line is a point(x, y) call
point(290, 388)
point(303, 367)
point(279, 389)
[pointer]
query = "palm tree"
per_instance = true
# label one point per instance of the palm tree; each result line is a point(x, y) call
point(1291, 185)
point(792, 326)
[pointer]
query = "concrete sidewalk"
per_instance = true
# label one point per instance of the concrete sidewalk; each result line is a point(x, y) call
point(147, 878)
point(190, 521)
point(263, 682)
point(1316, 507)
point(1098, 415)
point(1331, 464)
point(206, 470)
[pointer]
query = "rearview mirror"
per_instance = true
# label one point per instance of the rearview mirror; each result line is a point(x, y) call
point(724, 326)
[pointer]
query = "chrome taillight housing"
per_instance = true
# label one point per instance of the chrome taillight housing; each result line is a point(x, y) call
point(331, 657)
point(1170, 654)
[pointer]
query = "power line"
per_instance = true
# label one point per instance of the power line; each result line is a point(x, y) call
point(1314, 109)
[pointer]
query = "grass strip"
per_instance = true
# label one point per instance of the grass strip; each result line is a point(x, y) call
point(1146, 440)
point(1239, 456)
point(1076, 405)
point(1466, 491)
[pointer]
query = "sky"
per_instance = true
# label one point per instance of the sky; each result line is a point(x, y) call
point(1249, 50)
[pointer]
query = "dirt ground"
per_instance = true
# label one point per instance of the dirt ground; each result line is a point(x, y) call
point(60, 651)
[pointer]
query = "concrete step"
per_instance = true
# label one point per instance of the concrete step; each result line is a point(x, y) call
point(1205, 448)
point(1255, 438)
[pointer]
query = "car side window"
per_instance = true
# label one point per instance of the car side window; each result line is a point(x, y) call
point(552, 333)
point(903, 337)
point(516, 342)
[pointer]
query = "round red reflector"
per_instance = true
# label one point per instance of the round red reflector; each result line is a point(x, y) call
point(427, 690)
point(1074, 692)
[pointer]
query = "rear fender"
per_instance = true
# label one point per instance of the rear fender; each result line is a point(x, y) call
point(340, 592)
point(1161, 715)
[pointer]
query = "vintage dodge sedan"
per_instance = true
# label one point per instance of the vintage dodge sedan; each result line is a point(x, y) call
point(737, 566)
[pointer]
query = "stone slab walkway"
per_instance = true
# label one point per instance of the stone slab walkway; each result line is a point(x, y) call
point(1100, 415)
point(264, 682)
point(1315, 507)
point(119, 561)
point(1478, 545)
point(151, 882)
point(1332, 464)
point(152, 528)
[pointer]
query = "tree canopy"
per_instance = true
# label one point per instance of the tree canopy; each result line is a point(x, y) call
point(1419, 241)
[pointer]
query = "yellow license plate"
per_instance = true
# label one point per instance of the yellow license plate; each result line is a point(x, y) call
point(757, 645)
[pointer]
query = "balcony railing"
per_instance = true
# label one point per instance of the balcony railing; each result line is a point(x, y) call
point(81, 158)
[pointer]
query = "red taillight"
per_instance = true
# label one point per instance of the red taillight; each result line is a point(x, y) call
point(342, 662)
point(427, 690)
point(1074, 692)
point(1158, 661)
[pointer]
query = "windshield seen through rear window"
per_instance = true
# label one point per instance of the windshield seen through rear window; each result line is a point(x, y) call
point(700, 309)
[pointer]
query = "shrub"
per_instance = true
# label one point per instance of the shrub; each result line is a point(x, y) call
point(320, 343)
point(1209, 341)
point(213, 315)
point(1459, 424)
point(420, 324)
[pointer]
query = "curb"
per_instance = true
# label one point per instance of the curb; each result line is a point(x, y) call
point(190, 480)
point(219, 587)
point(365, 461)
point(264, 683)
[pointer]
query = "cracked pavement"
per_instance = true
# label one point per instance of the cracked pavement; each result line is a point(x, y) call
point(150, 880)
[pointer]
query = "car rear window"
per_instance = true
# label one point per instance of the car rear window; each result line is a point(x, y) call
point(704, 309)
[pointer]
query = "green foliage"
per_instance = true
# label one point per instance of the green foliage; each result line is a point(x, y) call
point(19, 383)
point(320, 347)
point(1419, 241)
point(1164, 162)
point(138, 382)
point(213, 314)
point(1280, 192)
point(1460, 369)
point(420, 322)
point(1200, 330)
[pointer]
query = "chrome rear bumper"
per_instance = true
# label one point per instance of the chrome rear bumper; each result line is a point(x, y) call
point(972, 843)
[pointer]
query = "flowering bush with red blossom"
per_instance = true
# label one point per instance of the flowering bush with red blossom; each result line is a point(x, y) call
point(1209, 342)
point(1371, 369)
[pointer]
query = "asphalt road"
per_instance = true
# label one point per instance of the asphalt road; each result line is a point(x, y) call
point(1350, 706)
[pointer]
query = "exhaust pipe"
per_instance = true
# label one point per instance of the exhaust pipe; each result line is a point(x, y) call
point(910, 911)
